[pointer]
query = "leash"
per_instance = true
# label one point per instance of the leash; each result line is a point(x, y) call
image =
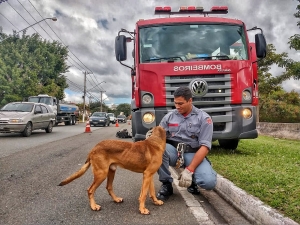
point(180, 152)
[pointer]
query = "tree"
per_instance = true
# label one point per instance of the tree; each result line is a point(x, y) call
point(125, 108)
point(294, 42)
point(30, 66)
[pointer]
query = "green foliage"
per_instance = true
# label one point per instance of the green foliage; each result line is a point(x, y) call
point(294, 40)
point(125, 108)
point(29, 66)
point(276, 105)
point(96, 107)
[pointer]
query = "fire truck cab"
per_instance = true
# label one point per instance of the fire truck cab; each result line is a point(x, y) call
point(211, 55)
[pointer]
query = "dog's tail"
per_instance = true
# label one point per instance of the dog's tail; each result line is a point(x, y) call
point(78, 174)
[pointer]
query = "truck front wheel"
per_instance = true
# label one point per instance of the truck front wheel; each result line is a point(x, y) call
point(229, 143)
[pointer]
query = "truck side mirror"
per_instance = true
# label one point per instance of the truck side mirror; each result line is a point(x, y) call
point(260, 45)
point(120, 48)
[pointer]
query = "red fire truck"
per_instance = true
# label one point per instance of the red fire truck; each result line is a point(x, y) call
point(211, 55)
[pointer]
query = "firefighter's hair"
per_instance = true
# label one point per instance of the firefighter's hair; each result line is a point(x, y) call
point(184, 92)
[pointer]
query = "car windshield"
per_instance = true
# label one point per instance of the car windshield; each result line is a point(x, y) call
point(121, 116)
point(19, 107)
point(99, 114)
point(111, 114)
point(192, 42)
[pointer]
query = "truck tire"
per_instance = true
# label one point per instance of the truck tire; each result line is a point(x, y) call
point(49, 128)
point(28, 130)
point(69, 121)
point(228, 143)
point(73, 120)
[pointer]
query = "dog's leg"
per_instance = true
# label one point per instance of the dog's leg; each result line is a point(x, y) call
point(152, 193)
point(147, 178)
point(109, 185)
point(98, 179)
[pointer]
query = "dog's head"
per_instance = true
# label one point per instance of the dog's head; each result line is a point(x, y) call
point(157, 131)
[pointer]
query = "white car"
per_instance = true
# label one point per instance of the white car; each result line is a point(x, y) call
point(112, 118)
point(24, 117)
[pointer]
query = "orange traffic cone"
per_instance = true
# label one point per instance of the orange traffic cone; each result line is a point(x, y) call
point(87, 127)
point(117, 124)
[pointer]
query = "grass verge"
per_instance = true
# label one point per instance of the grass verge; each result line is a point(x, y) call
point(265, 167)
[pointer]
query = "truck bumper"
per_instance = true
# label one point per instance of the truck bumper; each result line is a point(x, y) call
point(229, 126)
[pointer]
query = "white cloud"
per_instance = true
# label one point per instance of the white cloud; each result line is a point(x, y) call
point(89, 28)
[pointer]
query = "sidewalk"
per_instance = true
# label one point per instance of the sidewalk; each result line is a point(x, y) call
point(249, 206)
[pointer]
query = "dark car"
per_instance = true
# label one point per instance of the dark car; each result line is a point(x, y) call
point(24, 117)
point(100, 118)
point(121, 119)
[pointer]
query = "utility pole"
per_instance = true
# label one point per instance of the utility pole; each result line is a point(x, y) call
point(101, 100)
point(84, 93)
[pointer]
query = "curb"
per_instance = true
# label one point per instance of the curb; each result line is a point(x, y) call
point(251, 207)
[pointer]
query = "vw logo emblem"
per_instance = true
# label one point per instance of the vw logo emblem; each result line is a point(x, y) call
point(199, 87)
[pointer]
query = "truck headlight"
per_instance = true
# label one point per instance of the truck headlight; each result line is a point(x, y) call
point(247, 113)
point(148, 118)
point(246, 95)
point(147, 98)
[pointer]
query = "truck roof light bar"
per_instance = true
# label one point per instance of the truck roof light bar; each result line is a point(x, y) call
point(191, 10)
point(163, 9)
point(219, 8)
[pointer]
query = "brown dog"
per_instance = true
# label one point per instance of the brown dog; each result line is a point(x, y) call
point(142, 157)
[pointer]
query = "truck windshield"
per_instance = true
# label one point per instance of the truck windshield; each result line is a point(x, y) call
point(46, 100)
point(191, 42)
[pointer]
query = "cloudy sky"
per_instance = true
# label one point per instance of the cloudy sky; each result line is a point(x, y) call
point(89, 28)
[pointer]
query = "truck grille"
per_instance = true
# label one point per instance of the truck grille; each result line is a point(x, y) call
point(216, 102)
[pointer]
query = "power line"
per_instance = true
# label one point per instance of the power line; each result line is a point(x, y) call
point(93, 77)
point(8, 21)
point(24, 19)
point(34, 19)
point(60, 39)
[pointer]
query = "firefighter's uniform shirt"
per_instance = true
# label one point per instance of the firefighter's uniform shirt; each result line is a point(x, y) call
point(195, 129)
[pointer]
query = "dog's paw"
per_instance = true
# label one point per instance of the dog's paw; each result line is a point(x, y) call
point(158, 202)
point(118, 200)
point(144, 211)
point(96, 207)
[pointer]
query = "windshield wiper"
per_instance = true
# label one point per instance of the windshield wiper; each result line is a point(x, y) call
point(169, 59)
point(220, 57)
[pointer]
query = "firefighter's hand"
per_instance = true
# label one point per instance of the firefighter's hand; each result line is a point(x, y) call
point(185, 178)
point(149, 133)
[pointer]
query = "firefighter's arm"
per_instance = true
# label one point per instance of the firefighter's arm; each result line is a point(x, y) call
point(198, 158)
point(185, 178)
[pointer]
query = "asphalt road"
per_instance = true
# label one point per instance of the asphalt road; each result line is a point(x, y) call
point(32, 167)
point(29, 193)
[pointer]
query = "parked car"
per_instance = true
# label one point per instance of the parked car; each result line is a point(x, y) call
point(112, 118)
point(24, 117)
point(100, 118)
point(121, 119)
